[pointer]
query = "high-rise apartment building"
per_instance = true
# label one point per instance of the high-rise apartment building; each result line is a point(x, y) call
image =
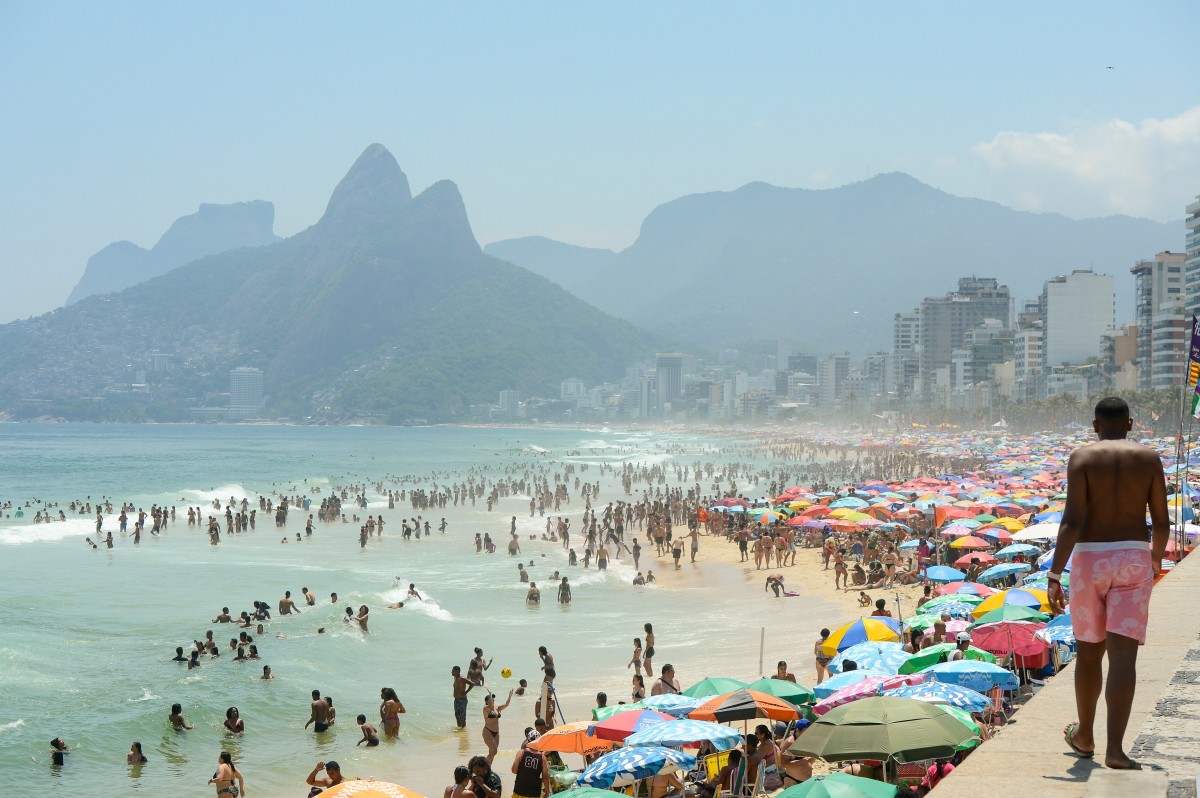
point(245, 393)
point(1158, 290)
point(1192, 259)
point(945, 320)
point(1078, 310)
point(668, 367)
point(906, 353)
point(510, 404)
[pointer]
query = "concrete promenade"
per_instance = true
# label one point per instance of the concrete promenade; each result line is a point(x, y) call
point(1029, 756)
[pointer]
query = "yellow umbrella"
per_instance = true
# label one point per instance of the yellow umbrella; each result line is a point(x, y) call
point(1020, 596)
point(572, 738)
point(1011, 524)
point(369, 788)
point(861, 631)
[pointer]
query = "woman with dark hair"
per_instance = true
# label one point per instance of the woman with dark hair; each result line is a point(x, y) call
point(649, 655)
point(461, 788)
point(135, 755)
point(233, 721)
point(225, 777)
point(390, 711)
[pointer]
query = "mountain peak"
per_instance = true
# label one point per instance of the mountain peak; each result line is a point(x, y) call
point(374, 188)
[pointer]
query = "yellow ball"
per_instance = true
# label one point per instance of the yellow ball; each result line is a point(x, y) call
point(506, 672)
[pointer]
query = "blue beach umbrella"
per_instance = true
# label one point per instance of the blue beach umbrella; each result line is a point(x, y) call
point(835, 683)
point(941, 693)
point(852, 502)
point(962, 610)
point(623, 767)
point(672, 704)
point(883, 656)
point(676, 733)
point(972, 674)
point(1016, 550)
point(1058, 634)
point(909, 544)
point(1003, 571)
point(943, 573)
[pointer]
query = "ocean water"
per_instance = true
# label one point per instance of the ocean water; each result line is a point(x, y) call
point(86, 636)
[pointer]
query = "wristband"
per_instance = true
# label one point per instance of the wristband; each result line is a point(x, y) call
point(1053, 577)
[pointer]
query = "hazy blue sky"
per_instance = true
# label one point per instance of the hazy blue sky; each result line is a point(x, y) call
point(573, 120)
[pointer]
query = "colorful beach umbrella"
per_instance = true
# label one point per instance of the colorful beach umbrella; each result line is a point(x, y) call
point(369, 788)
point(839, 785)
point(932, 655)
point(1017, 550)
point(781, 688)
point(714, 685)
point(1010, 637)
point(978, 676)
point(685, 731)
point(835, 683)
point(744, 705)
point(1012, 612)
point(623, 767)
point(672, 703)
point(603, 713)
point(865, 689)
point(572, 738)
point(955, 598)
point(1034, 599)
point(883, 728)
point(972, 588)
point(881, 656)
point(623, 724)
point(941, 693)
point(875, 628)
point(943, 573)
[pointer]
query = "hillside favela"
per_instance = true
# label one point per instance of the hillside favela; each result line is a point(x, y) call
point(795, 400)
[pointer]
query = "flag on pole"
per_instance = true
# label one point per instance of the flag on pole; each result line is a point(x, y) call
point(1193, 372)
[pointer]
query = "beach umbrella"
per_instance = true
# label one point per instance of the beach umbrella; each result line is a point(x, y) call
point(964, 717)
point(885, 657)
point(769, 516)
point(865, 689)
point(1010, 637)
point(781, 688)
point(996, 535)
point(677, 733)
point(835, 683)
point(1047, 531)
point(883, 728)
point(572, 738)
point(907, 546)
point(956, 609)
point(955, 598)
point(839, 785)
point(625, 766)
point(935, 654)
point(369, 788)
point(975, 558)
point(853, 502)
point(1004, 570)
point(943, 573)
point(941, 693)
point(744, 705)
point(1064, 634)
point(1016, 550)
point(590, 792)
point(714, 685)
point(970, 588)
point(920, 622)
point(876, 628)
point(672, 703)
point(1039, 581)
point(953, 627)
point(956, 531)
point(1012, 612)
point(976, 675)
point(623, 724)
point(604, 713)
point(1034, 599)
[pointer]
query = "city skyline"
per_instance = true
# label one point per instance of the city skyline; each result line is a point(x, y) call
point(567, 123)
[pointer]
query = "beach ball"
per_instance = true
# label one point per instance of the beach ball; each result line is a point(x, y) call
point(506, 672)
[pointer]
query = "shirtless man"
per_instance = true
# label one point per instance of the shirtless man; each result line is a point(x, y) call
point(309, 598)
point(319, 716)
point(1110, 484)
point(286, 605)
point(461, 688)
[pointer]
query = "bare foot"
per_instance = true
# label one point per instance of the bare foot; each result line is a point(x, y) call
point(1120, 762)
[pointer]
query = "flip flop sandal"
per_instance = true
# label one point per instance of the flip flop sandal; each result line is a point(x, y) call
point(1069, 735)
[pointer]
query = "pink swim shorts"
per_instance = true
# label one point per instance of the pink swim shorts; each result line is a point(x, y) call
point(1110, 590)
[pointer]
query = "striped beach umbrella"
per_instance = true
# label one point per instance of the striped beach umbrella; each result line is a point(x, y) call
point(835, 683)
point(623, 767)
point(978, 676)
point(671, 703)
point(887, 657)
point(941, 693)
point(1020, 597)
point(685, 731)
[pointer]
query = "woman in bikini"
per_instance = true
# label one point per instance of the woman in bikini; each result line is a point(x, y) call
point(491, 723)
point(135, 756)
point(636, 662)
point(823, 659)
point(639, 687)
point(225, 777)
point(390, 711)
point(649, 655)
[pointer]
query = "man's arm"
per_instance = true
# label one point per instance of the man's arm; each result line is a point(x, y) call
point(1069, 528)
point(1160, 521)
point(546, 777)
point(312, 779)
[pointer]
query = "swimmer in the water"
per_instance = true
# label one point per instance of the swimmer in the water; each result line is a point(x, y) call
point(412, 592)
point(397, 606)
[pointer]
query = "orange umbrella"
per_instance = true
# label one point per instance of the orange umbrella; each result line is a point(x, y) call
point(744, 705)
point(572, 738)
point(369, 788)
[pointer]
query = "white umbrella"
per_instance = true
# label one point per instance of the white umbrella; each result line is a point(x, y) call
point(1046, 531)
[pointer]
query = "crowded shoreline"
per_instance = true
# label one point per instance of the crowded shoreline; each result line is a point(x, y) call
point(802, 565)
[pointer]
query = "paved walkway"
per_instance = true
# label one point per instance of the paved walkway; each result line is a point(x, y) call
point(1029, 756)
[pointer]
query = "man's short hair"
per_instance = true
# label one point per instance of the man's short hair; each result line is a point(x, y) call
point(1112, 410)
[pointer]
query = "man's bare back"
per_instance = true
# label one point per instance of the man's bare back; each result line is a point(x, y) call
point(1109, 486)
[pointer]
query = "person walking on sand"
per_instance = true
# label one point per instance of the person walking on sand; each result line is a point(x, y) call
point(1110, 485)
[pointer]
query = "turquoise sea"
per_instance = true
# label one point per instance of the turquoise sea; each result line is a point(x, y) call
point(86, 636)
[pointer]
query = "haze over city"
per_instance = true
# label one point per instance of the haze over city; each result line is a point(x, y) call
point(568, 122)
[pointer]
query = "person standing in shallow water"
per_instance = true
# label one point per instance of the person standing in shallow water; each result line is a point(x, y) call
point(1110, 486)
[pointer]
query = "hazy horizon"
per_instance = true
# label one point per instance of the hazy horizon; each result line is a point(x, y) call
point(571, 123)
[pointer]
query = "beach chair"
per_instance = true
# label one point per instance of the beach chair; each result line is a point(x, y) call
point(713, 764)
point(996, 694)
point(756, 789)
point(911, 773)
point(737, 784)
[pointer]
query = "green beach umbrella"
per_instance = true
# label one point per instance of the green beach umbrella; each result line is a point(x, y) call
point(840, 785)
point(788, 691)
point(965, 719)
point(714, 685)
point(932, 655)
point(605, 713)
point(884, 727)
point(921, 622)
point(953, 598)
point(1011, 612)
point(589, 792)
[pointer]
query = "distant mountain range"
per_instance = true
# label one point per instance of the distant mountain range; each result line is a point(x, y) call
point(829, 267)
point(386, 308)
point(212, 229)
